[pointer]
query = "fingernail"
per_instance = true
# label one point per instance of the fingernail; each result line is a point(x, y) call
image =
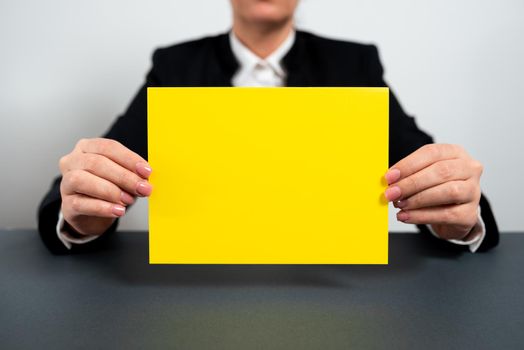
point(392, 176)
point(144, 189)
point(400, 204)
point(126, 198)
point(392, 193)
point(402, 216)
point(143, 169)
point(118, 210)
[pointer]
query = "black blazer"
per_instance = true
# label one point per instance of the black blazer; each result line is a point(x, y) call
point(312, 61)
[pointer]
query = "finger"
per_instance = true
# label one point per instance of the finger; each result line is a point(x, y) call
point(460, 215)
point(421, 158)
point(105, 168)
point(433, 175)
point(81, 205)
point(118, 153)
point(83, 182)
point(453, 192)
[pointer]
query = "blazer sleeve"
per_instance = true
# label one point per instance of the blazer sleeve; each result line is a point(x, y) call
point(405, 137)
point(130, 129)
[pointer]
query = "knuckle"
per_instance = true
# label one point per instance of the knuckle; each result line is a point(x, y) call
point(470, 192)
point(427, 146)
point(444, 171)
point(446, 215)
point(66, 210)
point(477, 193)
point(456, 192)
point(99, 207)
point(114, 143)
point(451, 214)
point(458, 149)
point(62, 189)
point(472, 216)
point(66, 205)
point(73, 178)
point(103, 146)
point(478, 167)
point(91, 162)
point(428, 149)
point(110, 193)
point(413, 185)
point(81, 143)
point(415, 201)
point(128, 180)
point(107, 145)
point(63, 163)
point(76, 204)
point(433, 151)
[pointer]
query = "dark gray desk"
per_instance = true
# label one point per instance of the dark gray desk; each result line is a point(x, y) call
point(425, 299)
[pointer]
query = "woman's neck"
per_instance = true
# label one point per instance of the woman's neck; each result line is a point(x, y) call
point(262, 39)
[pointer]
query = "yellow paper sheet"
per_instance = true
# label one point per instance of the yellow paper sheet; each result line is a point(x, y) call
point(268, 175)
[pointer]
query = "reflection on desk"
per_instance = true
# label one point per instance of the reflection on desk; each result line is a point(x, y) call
point(425, 298)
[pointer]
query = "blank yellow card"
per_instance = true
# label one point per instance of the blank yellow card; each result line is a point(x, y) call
point(268, 175)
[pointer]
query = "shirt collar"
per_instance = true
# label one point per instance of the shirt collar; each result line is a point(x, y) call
point(248, 59)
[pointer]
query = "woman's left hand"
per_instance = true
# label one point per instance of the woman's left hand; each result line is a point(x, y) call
point(439, 185)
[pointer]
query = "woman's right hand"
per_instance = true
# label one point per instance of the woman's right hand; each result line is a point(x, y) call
point(100, 178)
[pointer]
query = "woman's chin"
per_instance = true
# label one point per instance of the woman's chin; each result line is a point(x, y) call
point(268, 13)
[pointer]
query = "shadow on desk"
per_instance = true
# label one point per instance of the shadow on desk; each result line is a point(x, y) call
point(124, 257)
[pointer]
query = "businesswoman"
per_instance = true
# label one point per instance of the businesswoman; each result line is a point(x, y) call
point(436, 186)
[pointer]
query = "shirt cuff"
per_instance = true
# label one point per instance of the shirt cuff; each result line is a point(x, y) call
point(477, 234)
point(66, 238)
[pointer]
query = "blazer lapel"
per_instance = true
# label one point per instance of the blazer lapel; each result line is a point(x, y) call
point(298, 64)
point(223, 65)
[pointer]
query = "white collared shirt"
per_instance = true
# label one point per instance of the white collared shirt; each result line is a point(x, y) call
point(256, 71)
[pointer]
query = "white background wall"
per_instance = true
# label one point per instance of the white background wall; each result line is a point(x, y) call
point(67, 68)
